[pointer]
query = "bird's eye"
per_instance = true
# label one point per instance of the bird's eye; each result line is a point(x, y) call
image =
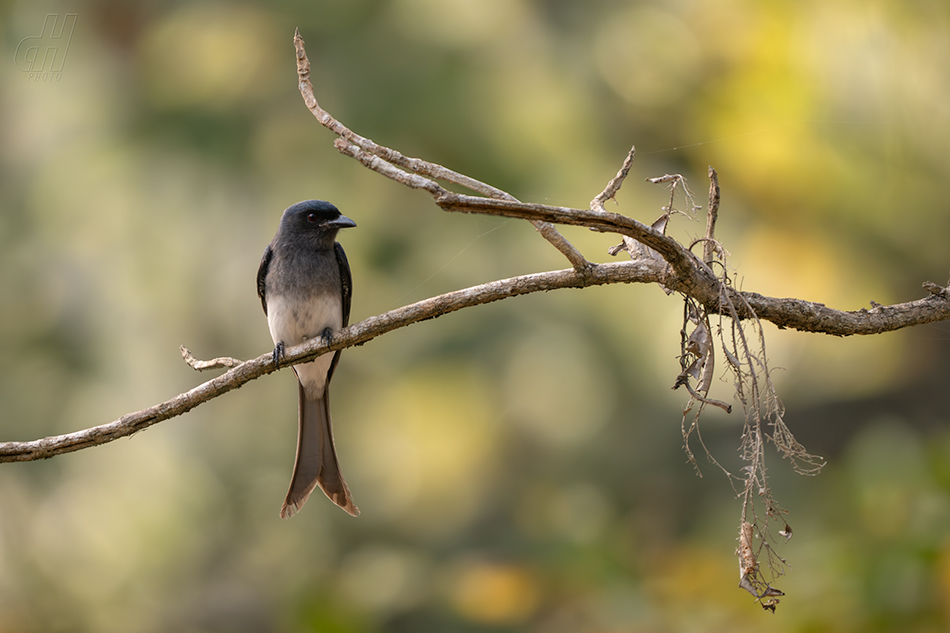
point(313, 217)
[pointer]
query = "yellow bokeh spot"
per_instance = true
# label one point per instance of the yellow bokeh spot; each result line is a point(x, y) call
point(460, 23)
point(649, 57)
point(210, 55)
point(427, 445)
point(542, 403)
point(793, 264)
point(495, 593)
point(805, 265)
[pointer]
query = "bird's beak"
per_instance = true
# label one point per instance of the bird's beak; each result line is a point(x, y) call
point(341, 222)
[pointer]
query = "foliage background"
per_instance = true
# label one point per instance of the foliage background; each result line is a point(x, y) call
point(519, 466)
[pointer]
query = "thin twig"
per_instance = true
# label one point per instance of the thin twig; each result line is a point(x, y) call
point(610, 191)
point(221, 362)
point(700, 397)
point(709, 246)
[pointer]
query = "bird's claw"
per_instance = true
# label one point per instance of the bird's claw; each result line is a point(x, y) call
point(278, 352)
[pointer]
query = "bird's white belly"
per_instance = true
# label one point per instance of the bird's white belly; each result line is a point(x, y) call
point(292, 322)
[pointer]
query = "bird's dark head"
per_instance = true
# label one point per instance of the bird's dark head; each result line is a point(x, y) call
point(314, 217)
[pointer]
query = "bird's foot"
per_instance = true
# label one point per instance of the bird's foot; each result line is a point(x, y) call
point(327, 335)
point(278, 352)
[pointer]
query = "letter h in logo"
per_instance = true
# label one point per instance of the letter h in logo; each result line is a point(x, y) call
point(46, 52)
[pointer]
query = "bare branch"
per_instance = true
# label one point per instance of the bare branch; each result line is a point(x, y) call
point(390, 161)
point(610, 191)
point(204, 365)
point(709, 246)
point(694, 278)
point(691, 275)
point(716, 403)
point(809, 316)
point(688, 269)
point(357, 334)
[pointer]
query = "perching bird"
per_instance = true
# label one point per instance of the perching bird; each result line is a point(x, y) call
point(305, 287)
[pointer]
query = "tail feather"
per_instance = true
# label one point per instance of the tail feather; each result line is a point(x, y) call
point(316, 463)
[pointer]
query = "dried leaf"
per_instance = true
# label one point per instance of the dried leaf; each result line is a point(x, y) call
point(745, 583)
point(698, 342)
point(695, 369)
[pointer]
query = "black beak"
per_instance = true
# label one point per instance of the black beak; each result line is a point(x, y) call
point(341, 222)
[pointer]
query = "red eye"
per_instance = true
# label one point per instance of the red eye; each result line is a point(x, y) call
point(313, 217)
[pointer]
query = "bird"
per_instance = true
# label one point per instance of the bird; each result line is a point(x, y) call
point(306, 288)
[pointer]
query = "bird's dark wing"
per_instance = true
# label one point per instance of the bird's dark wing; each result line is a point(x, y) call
point(346, 281)
point(262, 275)
point(346, 284)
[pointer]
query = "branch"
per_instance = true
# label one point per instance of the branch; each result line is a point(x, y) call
point(365, 150)
point(709, 244)
point(692, 274)
point(204, 365)
point(613, 187)
point(680, 270)
point(694, 278)
point(357, 334)
point(809, 316)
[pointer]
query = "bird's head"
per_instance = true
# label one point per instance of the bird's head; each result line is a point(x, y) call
point(318, 218)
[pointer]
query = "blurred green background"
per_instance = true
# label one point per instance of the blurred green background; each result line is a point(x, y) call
point(519, 466)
